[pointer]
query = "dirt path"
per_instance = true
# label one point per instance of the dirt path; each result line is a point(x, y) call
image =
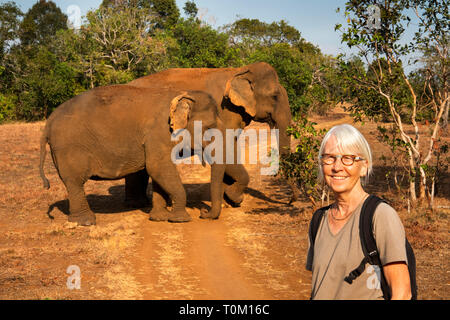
point(220, 259)
point(193, 261)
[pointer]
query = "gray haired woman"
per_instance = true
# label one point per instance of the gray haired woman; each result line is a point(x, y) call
point(345, 160)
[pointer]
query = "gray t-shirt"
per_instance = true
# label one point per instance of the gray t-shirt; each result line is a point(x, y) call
point(335, 256)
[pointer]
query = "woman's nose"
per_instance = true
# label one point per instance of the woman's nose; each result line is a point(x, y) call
point(337, 165)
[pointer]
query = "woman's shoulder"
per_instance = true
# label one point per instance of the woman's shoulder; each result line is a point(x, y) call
point(386, 214)
point(384, 208)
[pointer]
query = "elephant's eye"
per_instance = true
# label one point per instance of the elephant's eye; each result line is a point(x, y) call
point(275, 97)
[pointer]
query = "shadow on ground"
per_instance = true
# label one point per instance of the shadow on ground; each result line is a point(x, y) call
point(197, 194)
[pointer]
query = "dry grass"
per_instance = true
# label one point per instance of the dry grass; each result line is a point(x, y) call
point(273, 247)
point(36, 248)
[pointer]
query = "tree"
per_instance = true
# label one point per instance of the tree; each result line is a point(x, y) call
point(167, 11)
point(259, 32)
point(384, 54)
point(190, 9)
point(45, 84)
point(123, 45)
point(200, 46)
point(41, 23)
point(10, 16)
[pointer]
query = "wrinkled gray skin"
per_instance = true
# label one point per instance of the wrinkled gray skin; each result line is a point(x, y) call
point(111, 132)
point(252, 92)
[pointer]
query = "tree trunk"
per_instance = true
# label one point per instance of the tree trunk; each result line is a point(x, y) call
point(423, 184)
point(445, 118)
point(412, 191)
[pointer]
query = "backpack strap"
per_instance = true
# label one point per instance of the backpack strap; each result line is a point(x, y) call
point(314, 225)
point(368, 244)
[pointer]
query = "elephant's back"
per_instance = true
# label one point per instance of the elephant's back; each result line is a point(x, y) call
point(211, 80)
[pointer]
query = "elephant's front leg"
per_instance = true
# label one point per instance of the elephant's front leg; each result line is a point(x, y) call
point(164, 173)
point(217, 174)
point(235, 191)
point(136, 189)
point(160, 201)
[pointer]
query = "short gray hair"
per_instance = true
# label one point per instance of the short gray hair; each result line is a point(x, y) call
point(349, 139)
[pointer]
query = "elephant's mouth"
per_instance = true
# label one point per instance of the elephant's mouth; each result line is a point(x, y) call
point(267, 119)
point(239, 110)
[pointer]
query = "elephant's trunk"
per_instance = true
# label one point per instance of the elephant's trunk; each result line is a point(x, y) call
point(282, 119)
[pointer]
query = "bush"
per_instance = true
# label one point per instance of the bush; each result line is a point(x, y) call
point(301, 165)
point(7, 107)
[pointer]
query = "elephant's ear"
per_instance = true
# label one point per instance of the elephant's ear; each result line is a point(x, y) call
point(239, 90)
point(180, 109)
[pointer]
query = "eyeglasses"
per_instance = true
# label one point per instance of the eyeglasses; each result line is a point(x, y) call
point(346, 159)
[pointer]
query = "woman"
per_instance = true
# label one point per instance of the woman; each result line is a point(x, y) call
point(344, 159)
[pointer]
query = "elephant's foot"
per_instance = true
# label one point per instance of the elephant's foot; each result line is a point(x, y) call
point(85, 218)
point(179, 216)
point(137, 202)
point(160, 214)
point(211, 214)
point(233, 196)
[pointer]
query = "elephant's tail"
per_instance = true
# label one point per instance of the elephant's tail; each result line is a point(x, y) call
point(44, 141)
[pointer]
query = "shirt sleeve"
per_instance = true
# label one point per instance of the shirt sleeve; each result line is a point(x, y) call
point(389, 234)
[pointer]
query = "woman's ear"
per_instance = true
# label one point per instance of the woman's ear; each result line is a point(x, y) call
point(364, 169)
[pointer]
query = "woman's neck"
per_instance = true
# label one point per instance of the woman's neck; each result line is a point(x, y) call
point(349, 201)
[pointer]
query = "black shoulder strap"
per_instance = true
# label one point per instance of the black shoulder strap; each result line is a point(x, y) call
point(315, 223)
point(368, 243)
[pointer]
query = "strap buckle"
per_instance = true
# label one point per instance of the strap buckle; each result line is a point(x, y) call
point(373, 253)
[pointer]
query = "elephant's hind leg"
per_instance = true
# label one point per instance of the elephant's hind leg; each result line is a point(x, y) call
point(72, 171)
point(79, 208)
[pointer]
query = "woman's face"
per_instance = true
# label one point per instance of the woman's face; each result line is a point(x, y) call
point(339, 177)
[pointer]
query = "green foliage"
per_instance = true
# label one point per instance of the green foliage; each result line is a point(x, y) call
point(119, 43)
point(190, 9)
point(265, 33)
point(167, 13)
point(200, 46)
point(380, 85)
point(7, 107)
point(47, 84)
point(367, 102)
point(301, 165)
point(9, 25)
point(41, 23)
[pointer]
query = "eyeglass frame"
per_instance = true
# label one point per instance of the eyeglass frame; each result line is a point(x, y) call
point(335, 157)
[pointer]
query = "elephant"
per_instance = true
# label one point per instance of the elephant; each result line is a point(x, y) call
point(112, 132)
point(252, 92)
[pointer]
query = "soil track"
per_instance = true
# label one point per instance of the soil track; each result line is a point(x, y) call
point(203, 260)
point(256, 251)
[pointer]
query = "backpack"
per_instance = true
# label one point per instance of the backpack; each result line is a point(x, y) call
point(368, 245)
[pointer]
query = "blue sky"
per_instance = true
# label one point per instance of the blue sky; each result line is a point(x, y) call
point(315, 19)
